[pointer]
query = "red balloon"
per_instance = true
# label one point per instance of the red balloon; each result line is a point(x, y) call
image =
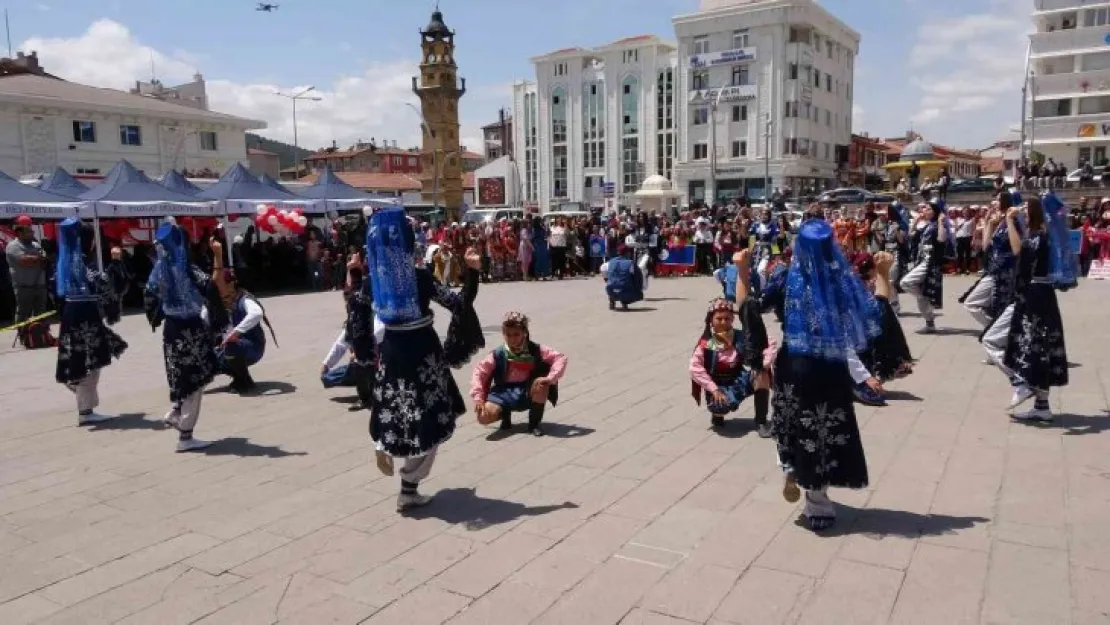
point(298, 210)
point(233, 217)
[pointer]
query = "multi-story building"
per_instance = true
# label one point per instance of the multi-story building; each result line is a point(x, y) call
point(498, 136)
point(767, 87)
point(597, 122)
point(370, 158)
point(46, 122)
point(1069, 87)
point(866, 157)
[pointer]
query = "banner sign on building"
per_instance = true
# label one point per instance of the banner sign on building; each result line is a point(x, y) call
point(491, 191)
point(734, 93)
point(724, 57)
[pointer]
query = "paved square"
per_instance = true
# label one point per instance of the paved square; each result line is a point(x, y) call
point(632, 512)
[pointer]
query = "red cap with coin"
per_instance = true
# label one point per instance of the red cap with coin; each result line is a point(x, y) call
point(23, 221)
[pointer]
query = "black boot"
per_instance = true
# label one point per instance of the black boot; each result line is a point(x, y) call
point(762, 405)
point(241, 381)
point(535, 418)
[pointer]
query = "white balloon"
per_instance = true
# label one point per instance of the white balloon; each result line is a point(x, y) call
point(302, 220)
point(273, 221)
point(261, 210)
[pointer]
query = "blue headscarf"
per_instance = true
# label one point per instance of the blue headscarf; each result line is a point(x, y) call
point(828, 313)
point(170, 279)
point(1063, 263)
point(71, 274)
point(940, 209)
point(902, 214)
point(391, 267)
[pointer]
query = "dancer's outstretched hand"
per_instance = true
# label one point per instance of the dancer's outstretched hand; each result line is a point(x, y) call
point(473, 259)
point(883, 262)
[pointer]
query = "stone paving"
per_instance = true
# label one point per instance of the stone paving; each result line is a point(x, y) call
point(632, 512)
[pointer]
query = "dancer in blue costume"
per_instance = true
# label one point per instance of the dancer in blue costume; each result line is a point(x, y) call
point(829, 318)
point(624, 280)
point(85, 343)
point(541, 253)
point(415, 399)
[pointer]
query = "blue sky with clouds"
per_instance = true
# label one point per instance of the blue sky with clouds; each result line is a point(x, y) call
point(952, 68)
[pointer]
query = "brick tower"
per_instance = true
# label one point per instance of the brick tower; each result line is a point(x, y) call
point(439, 90)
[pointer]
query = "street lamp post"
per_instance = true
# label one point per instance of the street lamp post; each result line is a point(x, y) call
point(767, 161)
point(713, 146)
point(293, 97)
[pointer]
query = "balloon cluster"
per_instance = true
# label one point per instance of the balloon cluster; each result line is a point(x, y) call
point(270, 219)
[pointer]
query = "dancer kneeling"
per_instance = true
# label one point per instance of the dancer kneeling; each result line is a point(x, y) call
point(85, 344)
point(717, 365)
point(519, 376)
point(828, 320)
point(415, 398)
point(238, 318)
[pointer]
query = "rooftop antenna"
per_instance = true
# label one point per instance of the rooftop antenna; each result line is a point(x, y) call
point(153, 77)
point(8, 30)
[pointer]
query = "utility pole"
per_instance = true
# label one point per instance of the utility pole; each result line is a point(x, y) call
point(301, 95)
point(713, 147)
point(767, 161)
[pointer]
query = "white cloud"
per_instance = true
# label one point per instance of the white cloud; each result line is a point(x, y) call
point(357, 105)
point(964, 66)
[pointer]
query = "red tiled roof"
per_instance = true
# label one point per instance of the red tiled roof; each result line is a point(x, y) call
point(564, 50)
point(259, 152)
point(634, 39)
point(468, 155)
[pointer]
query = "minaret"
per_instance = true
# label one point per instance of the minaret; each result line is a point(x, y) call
point(439, 90)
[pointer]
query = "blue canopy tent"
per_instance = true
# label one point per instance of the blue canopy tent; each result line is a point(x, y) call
point(241, 192)
point(61, 183)
point(176, 181)
point(127, 192)
point(334, 192)
point(267, 180)
point(17, 199)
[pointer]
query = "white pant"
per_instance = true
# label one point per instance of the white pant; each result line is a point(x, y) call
point(914, 284)
point(86, 391)
point(979, 300)
point(996, 337)
point(418, 468)
point(189, 411)
point(643, 265)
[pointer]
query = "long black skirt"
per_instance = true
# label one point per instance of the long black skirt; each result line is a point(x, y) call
point(1035, 349)
point(85, 344)
point(416, 400)
point(190, 355)
point(814, 422)
point(889, 352)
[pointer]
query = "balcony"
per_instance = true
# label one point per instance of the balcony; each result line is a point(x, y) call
point(1071, 85)
point(1045, 6)
point(1063, 42)
point(1074, 129)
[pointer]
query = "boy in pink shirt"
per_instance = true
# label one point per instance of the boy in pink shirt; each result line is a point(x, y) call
point(516, 377)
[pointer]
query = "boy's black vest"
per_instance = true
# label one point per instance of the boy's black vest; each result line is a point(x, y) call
point(539, 369)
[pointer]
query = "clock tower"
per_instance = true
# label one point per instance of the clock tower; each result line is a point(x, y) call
point(439, 89)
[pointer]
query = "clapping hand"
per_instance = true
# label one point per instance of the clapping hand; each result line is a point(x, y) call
point(883, 262)
point(473, 259)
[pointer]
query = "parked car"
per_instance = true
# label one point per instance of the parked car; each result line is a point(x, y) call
point(970, 185)
point(854, 195)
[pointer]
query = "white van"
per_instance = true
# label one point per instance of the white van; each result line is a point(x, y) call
point(485, 215)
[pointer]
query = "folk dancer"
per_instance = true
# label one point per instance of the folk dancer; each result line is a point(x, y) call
point(887, 356)
point(85, 343)
point(519, 376)
point(624, 280)
point(895, 242)
point(415, 400)
point(728, 364)
point(238, 317)
point(1035, 358)
point(174, 296)
point(925, 281)
point(828, 320)
point(766, 232)
point(993, 292)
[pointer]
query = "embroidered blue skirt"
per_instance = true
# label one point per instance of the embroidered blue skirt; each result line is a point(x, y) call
point(85, 344)
point(190, 356)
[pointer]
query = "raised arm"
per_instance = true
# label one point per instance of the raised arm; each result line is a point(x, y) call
point(1012, 231)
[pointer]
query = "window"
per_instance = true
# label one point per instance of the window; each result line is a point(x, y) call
point(701, 116)
point(1096, 17)
point(828, 83)
point(699, 79)
point(828, 117)
point(809, 112)
point(560, 69)
point(412, 161)
point(739, 149)
point(559, 171)
point(817, 78)
point(84, 132)
point(791, 109)
point(631, 56)
point(558, 116)
point(740, 39)
point(593, 132)
point(631, 167)
point(827, 153)
point(130, 135)
point(701, 45)
point(739, 74)
point(701, 151)
point(793, 71)
point(740, 113)
point(208, 141)
point(630, 106)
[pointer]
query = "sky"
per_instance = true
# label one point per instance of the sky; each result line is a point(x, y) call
point(950, 69)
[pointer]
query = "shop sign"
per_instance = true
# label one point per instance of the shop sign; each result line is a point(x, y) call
point(734, 93)
point(1092, 130)
point(724, 57)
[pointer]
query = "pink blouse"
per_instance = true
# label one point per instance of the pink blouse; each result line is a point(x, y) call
point(726, 359)
point(482, 377)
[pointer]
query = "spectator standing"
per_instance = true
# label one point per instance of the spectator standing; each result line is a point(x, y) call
point(27, 263)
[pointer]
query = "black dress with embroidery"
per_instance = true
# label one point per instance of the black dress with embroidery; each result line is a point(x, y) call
point(814, 422)
point(85, 342)
point(931, 251)
point(188, 344)
point(887, 354)
point(1035, 347)
point(415, 399)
